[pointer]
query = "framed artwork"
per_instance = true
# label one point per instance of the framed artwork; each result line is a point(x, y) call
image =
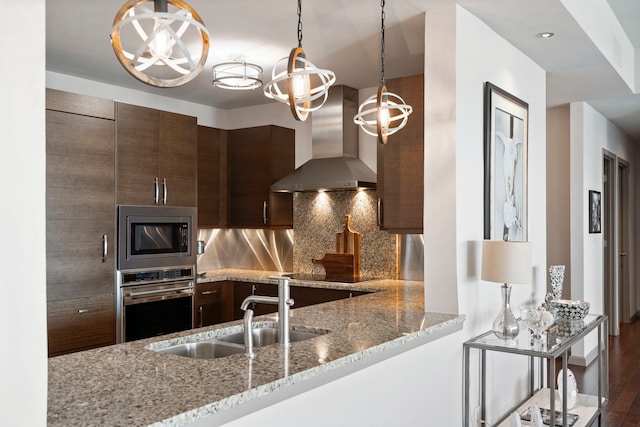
point(506, 129)
point(595, 211)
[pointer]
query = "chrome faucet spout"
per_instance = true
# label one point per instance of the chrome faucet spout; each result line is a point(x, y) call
point(283, 301)
point(248, 333)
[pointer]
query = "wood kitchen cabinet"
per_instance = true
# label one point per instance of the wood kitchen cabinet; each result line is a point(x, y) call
point(257, 157)
point(302, 296)
point(156, 154)
point(400, 185)
point(80, 221)
point(80, 324)
point(213, 303)
point(212, 177)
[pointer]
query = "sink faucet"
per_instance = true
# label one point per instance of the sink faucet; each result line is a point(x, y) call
point(282, 301)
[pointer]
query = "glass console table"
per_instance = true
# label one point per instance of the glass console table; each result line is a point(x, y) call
point(552, 346)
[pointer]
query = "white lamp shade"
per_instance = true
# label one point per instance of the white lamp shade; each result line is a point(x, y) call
point(506, 262)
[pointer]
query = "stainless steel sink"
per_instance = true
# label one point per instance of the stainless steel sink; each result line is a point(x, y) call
point(232, 343)
point(204, 349)
point(266, 335)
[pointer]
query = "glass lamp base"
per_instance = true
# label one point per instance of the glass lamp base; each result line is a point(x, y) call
point(506, 326)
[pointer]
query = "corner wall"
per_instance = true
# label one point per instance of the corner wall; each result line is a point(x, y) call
point(590, 135)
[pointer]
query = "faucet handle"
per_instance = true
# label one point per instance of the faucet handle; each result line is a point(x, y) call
point(290, 302)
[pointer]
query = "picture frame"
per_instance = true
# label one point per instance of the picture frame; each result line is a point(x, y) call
point(506, 141)
point(595, 211)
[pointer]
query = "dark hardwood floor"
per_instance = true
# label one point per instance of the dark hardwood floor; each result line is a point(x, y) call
point(623, 409)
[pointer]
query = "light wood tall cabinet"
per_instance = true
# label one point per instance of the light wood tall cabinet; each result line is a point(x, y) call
point(80, 224)
point(156, 157)
point(400, 185)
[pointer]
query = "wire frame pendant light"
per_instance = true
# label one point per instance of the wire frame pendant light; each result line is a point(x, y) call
point(160, 47)
point(384, 113)
point(297, 82)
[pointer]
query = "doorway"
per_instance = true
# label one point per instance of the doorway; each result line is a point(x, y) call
point(618, 301)
point(610, 282)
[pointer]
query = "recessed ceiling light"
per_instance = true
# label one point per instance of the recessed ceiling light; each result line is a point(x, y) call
point(545, 35)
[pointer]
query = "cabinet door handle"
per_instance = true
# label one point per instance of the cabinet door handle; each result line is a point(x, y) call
point(164, 191)
point(379, 218)
point(156, 186)
point(83, 311)
point(210, 292)
point(264, 212)
point(105, 248)
point(200, 315)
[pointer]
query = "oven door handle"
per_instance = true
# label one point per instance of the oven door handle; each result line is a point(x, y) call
point(133, 295)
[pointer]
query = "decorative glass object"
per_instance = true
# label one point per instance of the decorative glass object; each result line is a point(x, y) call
point(556, 276)
point(537, 319)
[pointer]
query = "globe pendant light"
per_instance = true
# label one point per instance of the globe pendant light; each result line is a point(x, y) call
point(384, 113)
point(158, 47)
point(298, 83)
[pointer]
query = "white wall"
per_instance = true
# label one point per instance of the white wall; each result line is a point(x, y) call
point(590, 134)
point(23, 331)
point(424, 386)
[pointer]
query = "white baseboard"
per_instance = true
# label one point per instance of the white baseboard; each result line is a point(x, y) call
point(584, 360)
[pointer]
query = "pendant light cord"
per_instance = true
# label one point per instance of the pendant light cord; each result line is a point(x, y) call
point(299, 23)
point(382, 80)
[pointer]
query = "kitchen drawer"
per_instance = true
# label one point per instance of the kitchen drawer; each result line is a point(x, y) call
point(213, 303)
point(80, 324)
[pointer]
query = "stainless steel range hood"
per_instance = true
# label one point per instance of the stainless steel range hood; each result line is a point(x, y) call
point(334, 164)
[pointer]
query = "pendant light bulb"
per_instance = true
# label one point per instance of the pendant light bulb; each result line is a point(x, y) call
point(161, 45)
point(301, 86)
point(383, 115)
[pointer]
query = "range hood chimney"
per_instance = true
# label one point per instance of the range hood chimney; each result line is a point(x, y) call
point(334, 163)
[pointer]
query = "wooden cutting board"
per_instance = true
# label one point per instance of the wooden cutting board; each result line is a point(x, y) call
point(346, 260)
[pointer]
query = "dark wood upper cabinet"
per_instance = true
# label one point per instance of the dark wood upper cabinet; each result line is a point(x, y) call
point(400, 185)
point(257, 157)
point(212, 177)
point(156, 155)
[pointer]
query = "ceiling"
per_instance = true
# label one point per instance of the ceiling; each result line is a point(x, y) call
point(344, 36)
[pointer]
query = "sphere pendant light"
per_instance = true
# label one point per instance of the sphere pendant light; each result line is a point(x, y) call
point(158, 47)
point(384, 113)
point(298, 83)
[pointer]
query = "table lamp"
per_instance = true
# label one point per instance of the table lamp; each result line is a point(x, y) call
point(506, 262)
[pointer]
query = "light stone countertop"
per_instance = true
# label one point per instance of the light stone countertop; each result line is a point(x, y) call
point(130, 385)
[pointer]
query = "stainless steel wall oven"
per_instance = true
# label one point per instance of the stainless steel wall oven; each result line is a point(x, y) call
point(156, 270)
point(154, 302)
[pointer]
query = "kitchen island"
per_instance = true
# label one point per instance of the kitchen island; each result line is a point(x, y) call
point(131, 385)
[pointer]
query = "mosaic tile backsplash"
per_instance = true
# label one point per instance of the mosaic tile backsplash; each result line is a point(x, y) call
point(318, 217)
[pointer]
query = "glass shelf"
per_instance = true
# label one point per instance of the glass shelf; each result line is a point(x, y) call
point(554, 344)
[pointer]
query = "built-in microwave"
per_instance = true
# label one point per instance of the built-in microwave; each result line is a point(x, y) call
point(156, 236)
